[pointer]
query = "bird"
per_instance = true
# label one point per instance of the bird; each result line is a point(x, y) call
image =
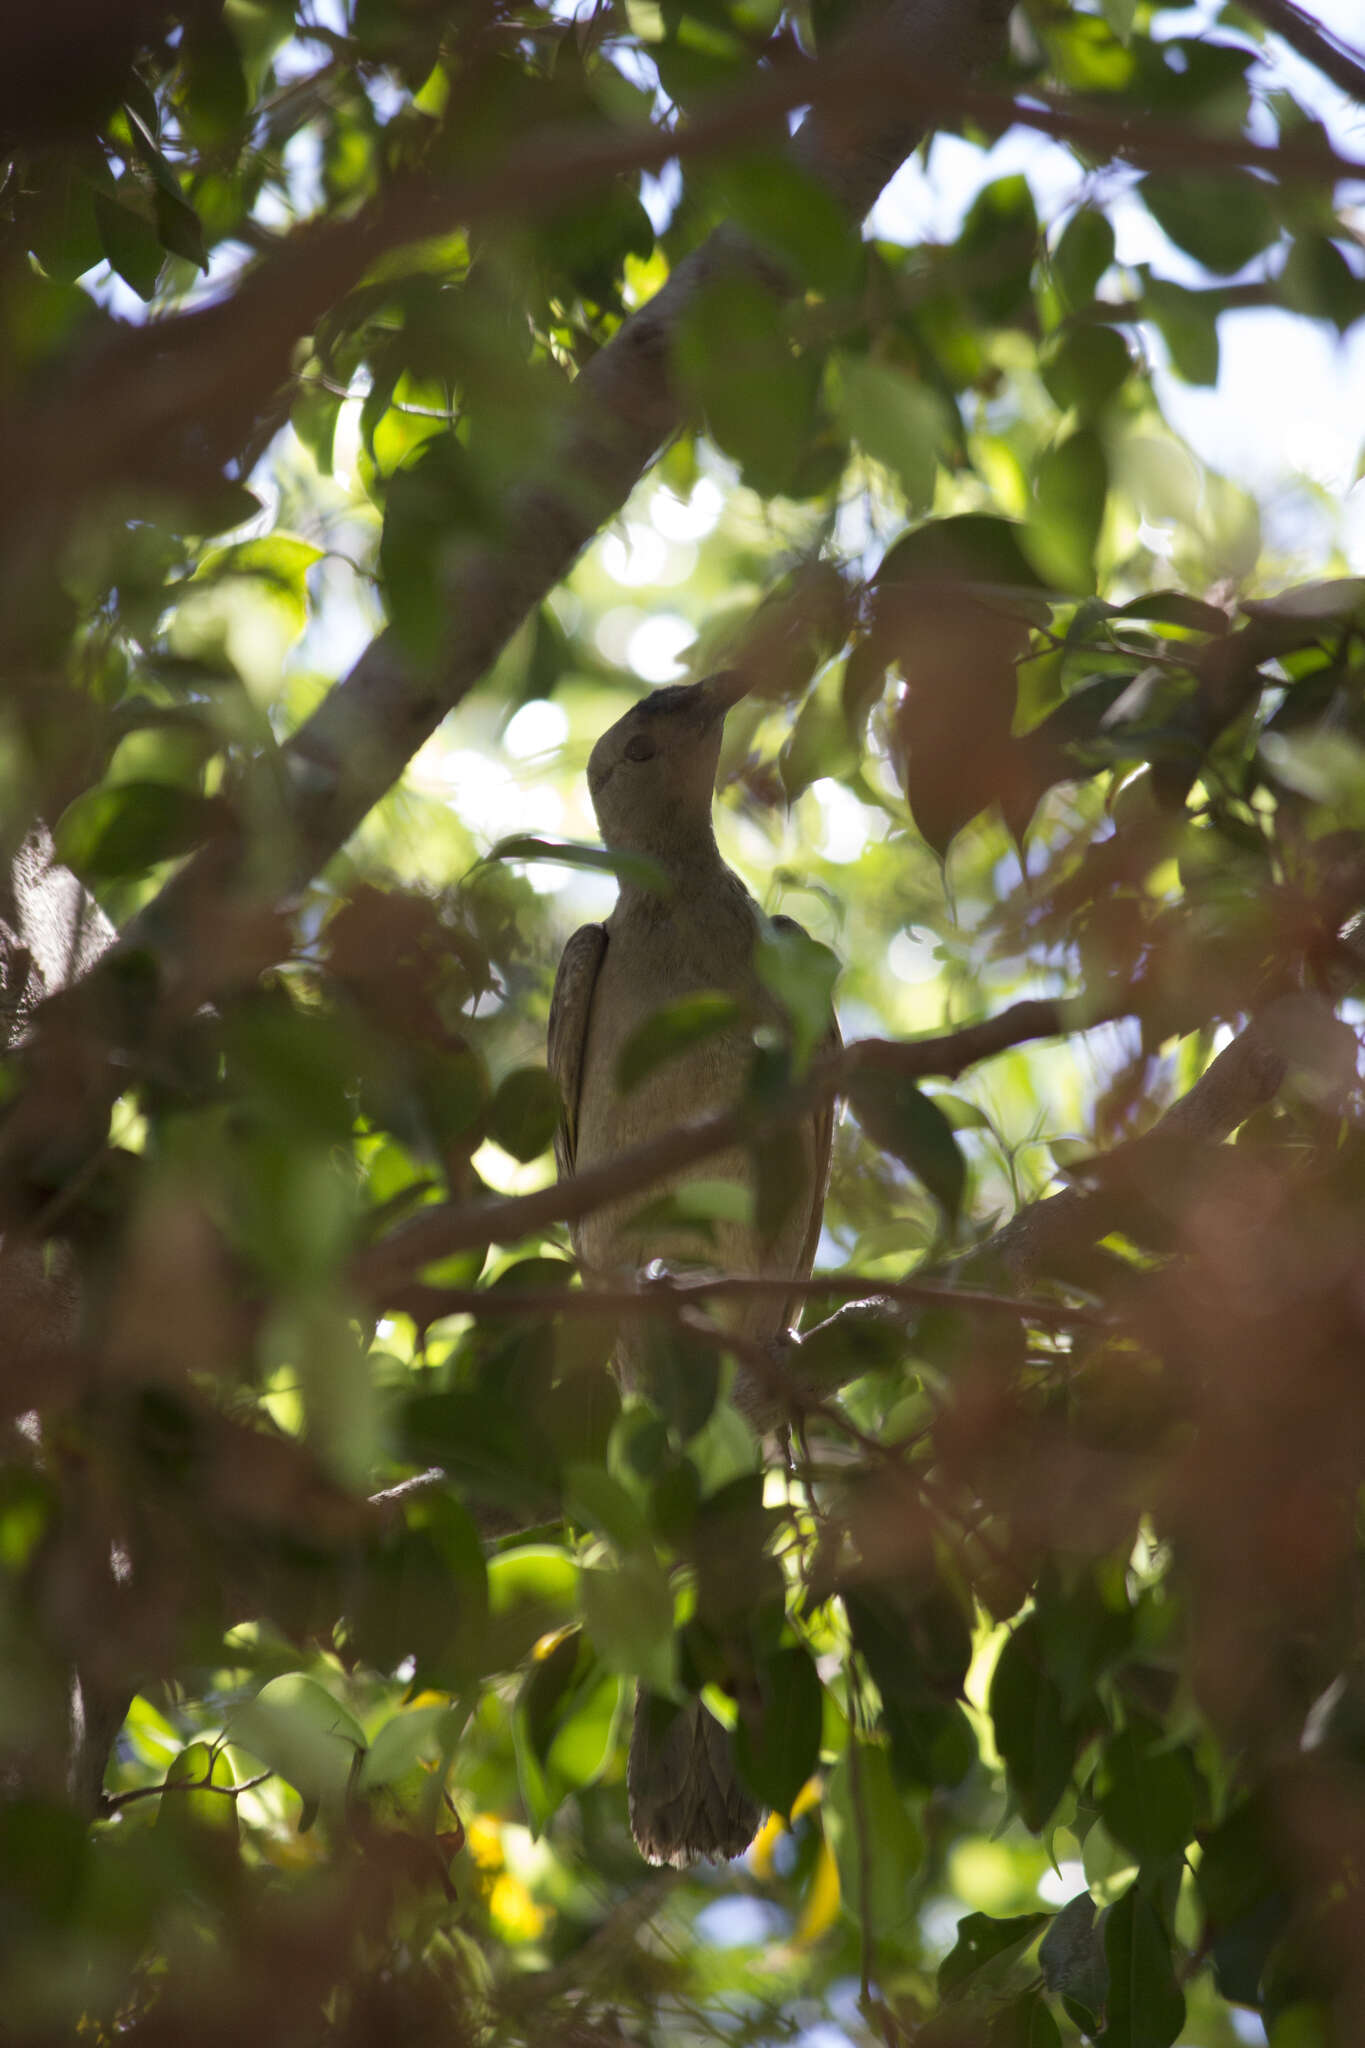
point(694, 927)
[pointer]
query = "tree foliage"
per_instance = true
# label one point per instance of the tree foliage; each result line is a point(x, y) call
point(330, 1552)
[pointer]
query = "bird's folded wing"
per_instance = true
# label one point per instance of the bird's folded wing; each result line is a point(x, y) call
point(832, 1041)
point(569, 1009)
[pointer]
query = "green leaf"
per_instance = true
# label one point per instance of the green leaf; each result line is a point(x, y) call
point(408, 1739)
point(125, 828)
point(188, 1813)
point(1024, 2023)
point(1148, 1797)
point(1188, 322)
point(1223, 221)
point(1082, 256)
point(996, 249)
point(525, 1112)
point(739, 370)
point(1071, 1958)
point(779, 1749)
point(801, 974)
point(593, 1497)
point(296, 1728)
point(636, 868)
point(1245, 1894)
point(876, 1840)
point(1086, 366)
point(1146, 2004)
point(628, 1612)
point(904, 1121)
point(681, 1375)
point(1032, 1733)
point(983, 1942)
point(180, 227)
point(1070, 487)
point(795, 218)
point(130, 243)
point(672, 1030)
point(898, 420)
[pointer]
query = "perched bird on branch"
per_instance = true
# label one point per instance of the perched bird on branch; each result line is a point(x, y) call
point(694, 928)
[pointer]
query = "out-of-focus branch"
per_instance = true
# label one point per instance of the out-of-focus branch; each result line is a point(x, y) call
point(1247, 1074)
point(449, 1227)
point(666, 1296)
point(1313, 42)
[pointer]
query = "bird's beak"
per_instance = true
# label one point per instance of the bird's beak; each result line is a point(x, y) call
point(723, 690)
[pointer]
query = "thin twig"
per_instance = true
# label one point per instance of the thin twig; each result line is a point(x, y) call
point(110, 1802)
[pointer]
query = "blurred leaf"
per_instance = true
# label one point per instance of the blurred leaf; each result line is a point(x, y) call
point(1086, 366)
point(130, 243)
point(674, 1029)
point(801, 974)
point(296, 1728)
point(127, 827)
point(628, 1612)
point(795, 218)
point(524, 1114)
point(982, 1942)
point(1070, 486)
point(876, 1841)
point(1146, 2005)
point(636, 868)
point(186, 1813)
point(897, 420)
point(1148, 1796)
point(778, 1748)
point(1188, 322)
point(1224, 221)
point(904, 1121)
point(1032, 1733)
point(1082, 255)
point(1026, 2022)
point(1072, 1959)
point(737, 366)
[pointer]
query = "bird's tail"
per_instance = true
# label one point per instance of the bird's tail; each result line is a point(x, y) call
point(686, 1800)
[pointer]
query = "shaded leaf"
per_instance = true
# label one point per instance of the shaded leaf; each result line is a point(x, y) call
point(904, 1121)
point(672, 1030)
point(778, 1747)
point(1146, 2005)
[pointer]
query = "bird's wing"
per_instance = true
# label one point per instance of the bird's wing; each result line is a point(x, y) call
point(824, 1139)
point(568, 1032)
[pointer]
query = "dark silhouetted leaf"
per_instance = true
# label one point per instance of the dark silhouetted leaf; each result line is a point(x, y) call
point(676, 1028)
point(779, 1747)
point(900, 1118)
point(1146, 2005)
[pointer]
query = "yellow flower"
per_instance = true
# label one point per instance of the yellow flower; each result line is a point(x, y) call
point(515, 1911)
point(483, 1839)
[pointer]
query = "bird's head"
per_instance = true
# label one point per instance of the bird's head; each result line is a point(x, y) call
point(652, 775)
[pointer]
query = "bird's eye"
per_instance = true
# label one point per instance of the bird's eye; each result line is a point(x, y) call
point(641, 748)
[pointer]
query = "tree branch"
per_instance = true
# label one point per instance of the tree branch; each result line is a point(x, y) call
point(448, 1227)
point(1317, 45)
point(1244, 1076)
point(666, 1296)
